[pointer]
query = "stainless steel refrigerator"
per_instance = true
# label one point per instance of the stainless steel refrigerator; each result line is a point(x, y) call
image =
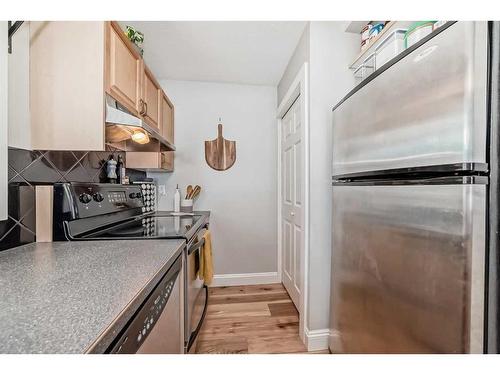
point(412, 256)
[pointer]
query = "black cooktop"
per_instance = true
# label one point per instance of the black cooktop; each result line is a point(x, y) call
point(152, 226)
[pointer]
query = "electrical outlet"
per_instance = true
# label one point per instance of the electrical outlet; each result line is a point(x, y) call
point(162, 190)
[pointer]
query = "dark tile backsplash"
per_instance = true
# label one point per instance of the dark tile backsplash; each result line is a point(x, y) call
point(30, 168)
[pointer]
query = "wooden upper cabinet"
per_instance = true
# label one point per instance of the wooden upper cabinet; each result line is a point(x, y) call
point(167, 119)
point(152, 94)
point(66, 82)
point(123, 69)
point(72, 65)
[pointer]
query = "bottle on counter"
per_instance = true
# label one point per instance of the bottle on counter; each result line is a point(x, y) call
point(111, 170)
point(177, 199)
point(121, 171)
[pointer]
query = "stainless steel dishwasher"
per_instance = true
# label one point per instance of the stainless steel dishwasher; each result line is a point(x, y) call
point(157, 328)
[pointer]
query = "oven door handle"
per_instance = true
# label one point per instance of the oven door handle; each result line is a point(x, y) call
point(200, 323)
point(196, 246)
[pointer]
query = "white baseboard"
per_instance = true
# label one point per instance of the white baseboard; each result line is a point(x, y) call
point(316, 339)
point(246, 279)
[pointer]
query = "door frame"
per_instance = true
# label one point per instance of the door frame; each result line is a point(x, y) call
point(299, 87)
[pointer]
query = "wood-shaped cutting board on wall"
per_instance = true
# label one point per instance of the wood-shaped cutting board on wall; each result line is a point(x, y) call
point(220, 153)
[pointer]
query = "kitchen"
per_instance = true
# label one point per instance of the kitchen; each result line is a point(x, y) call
point(182, 187)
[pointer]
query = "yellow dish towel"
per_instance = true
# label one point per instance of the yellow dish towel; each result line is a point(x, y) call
point(206, 271)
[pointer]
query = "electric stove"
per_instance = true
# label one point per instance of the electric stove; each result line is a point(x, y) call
point(84, 211)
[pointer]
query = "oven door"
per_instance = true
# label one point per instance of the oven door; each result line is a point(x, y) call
point(157, 328)
point(196, 293)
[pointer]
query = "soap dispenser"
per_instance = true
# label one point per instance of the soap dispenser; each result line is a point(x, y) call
point(177, 199)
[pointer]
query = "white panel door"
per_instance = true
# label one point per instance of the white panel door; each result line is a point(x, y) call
point(292, 196)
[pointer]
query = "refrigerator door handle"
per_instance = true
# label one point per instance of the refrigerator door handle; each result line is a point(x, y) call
point(450, 180)
point(428, 171)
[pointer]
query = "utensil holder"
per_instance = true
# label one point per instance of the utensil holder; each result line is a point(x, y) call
point(186, 205)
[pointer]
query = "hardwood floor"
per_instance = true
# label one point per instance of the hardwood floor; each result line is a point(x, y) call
point(250, 319)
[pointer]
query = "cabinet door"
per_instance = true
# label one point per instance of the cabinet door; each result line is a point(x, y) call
point(143, 160)
point(151, 161)
point(66, 96)
point(167, 161)
point(124, 66)
point(152, 97)
point(167, 119)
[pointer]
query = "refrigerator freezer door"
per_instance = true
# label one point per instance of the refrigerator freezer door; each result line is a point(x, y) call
point(408, 269)
point(429, 108)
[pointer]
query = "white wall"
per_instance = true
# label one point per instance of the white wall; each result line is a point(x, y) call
point(329, 51)
point(332, 50)
point(299, 57)
point(242, 200)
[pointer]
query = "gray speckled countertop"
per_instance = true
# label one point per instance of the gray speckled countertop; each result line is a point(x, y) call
point(60, 297)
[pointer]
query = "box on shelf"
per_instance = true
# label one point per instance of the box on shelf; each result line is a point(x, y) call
point(390, 47)
point(365, 69)
point(417, 31)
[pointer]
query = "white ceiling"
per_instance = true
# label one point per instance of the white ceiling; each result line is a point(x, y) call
point(249, 52)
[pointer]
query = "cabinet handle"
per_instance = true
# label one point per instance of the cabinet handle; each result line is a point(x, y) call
point(145, 108)
point(141, 107)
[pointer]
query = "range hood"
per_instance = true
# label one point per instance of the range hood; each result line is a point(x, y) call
point(130, 133)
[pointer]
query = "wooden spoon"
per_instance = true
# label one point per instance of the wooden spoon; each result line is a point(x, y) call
point(189, 191)
point(196, 192)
